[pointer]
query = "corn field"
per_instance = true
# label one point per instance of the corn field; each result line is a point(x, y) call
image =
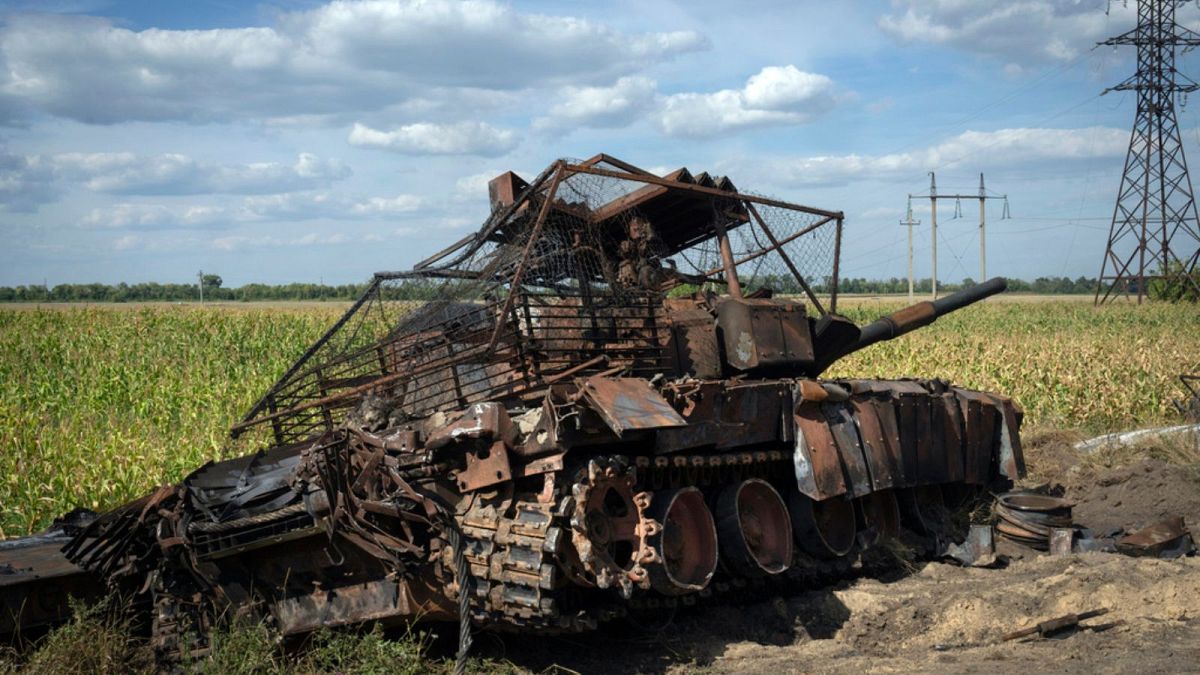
point(100, 404)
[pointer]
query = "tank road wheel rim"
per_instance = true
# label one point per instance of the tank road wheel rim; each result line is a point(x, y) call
point(881, 512)
point(824, 529)
point(754, 529)
point(922, 509)
point(685, 548)
point(609, 526)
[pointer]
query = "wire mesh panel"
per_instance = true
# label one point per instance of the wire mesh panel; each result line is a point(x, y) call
point(564, 279)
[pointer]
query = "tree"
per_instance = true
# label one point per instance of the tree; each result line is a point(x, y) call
point(211, 281)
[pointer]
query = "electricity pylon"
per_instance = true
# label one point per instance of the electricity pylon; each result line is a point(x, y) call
point(1155, 235)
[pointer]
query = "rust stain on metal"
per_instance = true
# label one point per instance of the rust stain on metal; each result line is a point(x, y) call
point(1170, 533)
point(629, 404)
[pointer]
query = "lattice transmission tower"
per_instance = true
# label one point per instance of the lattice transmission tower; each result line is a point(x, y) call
point(1155, 234)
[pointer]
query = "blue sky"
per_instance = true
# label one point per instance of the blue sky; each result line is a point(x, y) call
point(307, 141)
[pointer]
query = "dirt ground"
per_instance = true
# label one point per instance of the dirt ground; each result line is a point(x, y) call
point(942, 618)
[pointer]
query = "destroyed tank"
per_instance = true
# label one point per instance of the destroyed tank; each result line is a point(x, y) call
point(607, 400)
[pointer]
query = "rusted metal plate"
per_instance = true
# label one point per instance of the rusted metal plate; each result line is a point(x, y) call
point(881, 451)
point(984, 433)
point(1011, 459)
point(761, 333)
point(750, 414)
point(845, 434)
point(699, 406)
point(540, 465)
point(977, 459)
point(886, 412)
point(818, 469)
point(948, 428)
point(370, 601)
point(905, 412)
point(727, 416)
point(629, 404)
point(37, 557)
point(486, 466)
point(1156, 539)
point(934, 462)
point(486, 421)
point(694, 343)
point(890, 387)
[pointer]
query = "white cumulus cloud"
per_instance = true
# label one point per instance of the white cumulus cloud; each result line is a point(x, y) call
point(26, 183)
point(1021, 32)
point(382, 206)
point(775, 95)
point(603, 107)
point(156, 217)
point(1000, 148)
point(427, 138)
point(176, 174)
point(335, 58)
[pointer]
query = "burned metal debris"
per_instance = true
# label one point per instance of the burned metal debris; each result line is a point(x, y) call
point(1058, 624)
point(1169, 538)
point(1031, 519)
point(558, 419)
point(1044, 523)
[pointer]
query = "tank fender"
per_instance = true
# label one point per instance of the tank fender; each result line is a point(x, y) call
point(628, 404)
point(899, 434)
point(817, 467)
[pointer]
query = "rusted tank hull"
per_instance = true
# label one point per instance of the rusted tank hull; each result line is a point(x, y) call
point(585, 520)
point(547, 440)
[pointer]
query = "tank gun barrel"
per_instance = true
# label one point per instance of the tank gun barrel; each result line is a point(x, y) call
point(836, 336)
point(924, 313)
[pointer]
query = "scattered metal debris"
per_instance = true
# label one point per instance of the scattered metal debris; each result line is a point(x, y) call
point(1029, 518)
point(1168, 538)
point(1062, 540)
point(1055, 625)
point(978, 550)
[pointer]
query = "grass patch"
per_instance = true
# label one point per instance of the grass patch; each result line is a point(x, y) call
point(99, 639)
point(368, 653)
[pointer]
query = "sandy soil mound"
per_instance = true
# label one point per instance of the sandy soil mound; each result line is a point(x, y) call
point(951, 616)
point(1133, 496)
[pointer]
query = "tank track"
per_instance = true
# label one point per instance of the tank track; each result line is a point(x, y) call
point(180, 623)
point(511, 547)
point(518, 550)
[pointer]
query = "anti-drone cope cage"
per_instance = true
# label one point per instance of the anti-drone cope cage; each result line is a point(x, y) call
point(565, 278)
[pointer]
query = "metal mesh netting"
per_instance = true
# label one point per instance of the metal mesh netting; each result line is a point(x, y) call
point(567, 279)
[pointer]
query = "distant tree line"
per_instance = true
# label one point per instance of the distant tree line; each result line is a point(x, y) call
point(155, 292)
point(1041, 285)
point(215, 291)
